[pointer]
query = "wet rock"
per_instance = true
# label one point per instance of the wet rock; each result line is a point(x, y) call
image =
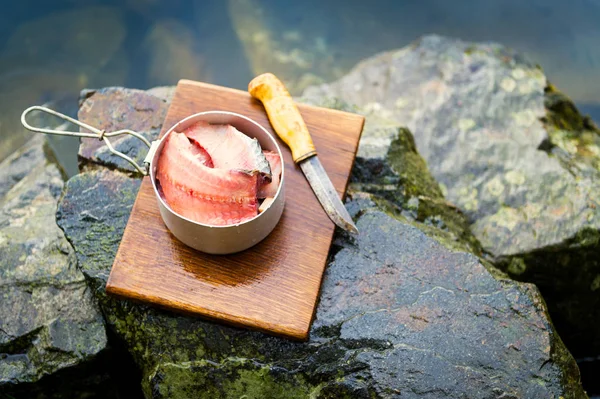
point(511, 152)
point(50, 326)
point(394, 171)
point(102, 217)
point(18, 166)
point(432, 314)
point(113, 109)
point(165, 93)
point(405, 311)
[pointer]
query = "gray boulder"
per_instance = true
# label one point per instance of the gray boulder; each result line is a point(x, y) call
point(406, 309)
point(510, 151)
point(50, 325)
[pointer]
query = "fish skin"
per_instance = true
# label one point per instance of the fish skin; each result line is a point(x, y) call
point(230, 148)
point(195, 190)
point(266, 188)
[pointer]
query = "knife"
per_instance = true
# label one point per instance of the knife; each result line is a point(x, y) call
point(290, 127)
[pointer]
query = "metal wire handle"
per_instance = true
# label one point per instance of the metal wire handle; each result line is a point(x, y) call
point(101, 135)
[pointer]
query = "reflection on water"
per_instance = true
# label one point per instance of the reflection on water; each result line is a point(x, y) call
point(51, 50)
point(170, 46)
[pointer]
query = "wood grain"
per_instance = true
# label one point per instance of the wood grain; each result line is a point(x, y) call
point(273, 286)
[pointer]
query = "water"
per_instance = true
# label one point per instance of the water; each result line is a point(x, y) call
point(49, 51)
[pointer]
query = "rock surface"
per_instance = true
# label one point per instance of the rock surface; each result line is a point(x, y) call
point(405, 311)
point(49, 322)
point(510, 151)
point(115, 109)
point(399, 175)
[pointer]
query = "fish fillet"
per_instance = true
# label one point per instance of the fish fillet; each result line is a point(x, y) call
point(229, 148)
point(205, 194)
point(201, 154)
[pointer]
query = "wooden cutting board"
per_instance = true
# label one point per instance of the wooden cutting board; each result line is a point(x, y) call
point(273, 286)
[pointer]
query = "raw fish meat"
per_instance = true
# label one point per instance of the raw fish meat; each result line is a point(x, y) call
point(269, 189)
point(202, 155)
point(215, 174)
point(229, 148)
point(196, 188)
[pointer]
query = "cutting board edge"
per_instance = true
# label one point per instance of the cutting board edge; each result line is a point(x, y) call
point(298, 334)
point(299, 104)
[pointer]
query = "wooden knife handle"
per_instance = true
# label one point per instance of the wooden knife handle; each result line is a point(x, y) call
point(283, 115)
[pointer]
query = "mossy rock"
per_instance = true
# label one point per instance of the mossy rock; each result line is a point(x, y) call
point(510, 151)
point(51, 330)
point(406, 310)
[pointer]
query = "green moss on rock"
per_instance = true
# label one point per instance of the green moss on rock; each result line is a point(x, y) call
point(400, 179)
point(232, 379)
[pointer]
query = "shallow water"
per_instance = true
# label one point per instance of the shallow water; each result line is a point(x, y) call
point(51, 50)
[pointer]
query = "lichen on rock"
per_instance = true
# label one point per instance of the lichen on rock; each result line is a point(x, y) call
point(389, 166)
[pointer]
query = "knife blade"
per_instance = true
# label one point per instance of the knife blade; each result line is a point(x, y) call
point(290, 127)
point(325, 192)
